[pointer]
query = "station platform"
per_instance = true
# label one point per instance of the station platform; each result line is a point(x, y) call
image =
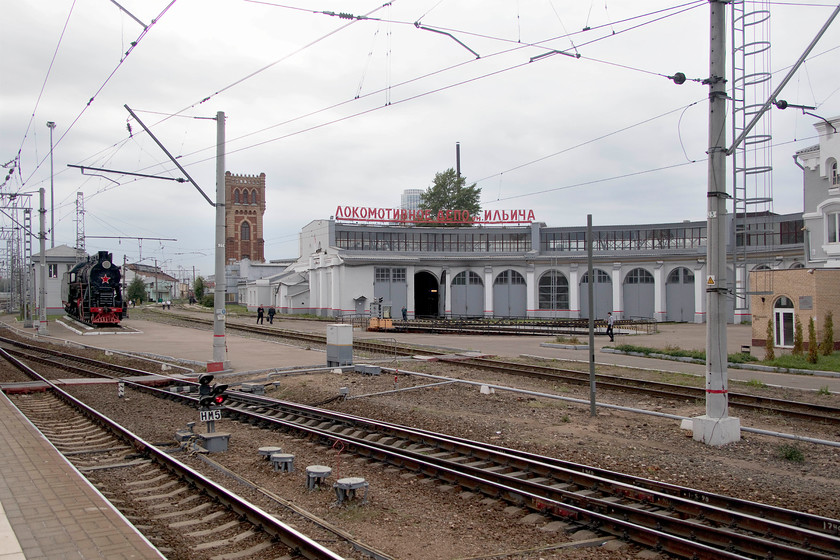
point(48, 510)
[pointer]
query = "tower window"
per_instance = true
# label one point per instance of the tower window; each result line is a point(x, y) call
point(245, 234)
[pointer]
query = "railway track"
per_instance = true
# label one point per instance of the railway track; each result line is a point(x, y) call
point(59, 364)
point(682, 521)
point(810, 412)
point(183, 513)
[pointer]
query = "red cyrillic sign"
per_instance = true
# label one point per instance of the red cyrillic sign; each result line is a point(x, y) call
point(402, 216)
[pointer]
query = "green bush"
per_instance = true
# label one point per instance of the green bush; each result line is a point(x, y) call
point(207, 300)
point(790, 452)
point(813, 350)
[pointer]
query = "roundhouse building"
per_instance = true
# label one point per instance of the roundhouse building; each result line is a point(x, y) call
point(652, 271)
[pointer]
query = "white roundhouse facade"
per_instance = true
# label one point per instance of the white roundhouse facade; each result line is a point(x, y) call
point(655, 271)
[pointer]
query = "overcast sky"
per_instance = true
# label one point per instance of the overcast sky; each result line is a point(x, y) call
point(339, 111)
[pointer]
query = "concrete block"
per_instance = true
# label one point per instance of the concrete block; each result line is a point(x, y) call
point(716, 431)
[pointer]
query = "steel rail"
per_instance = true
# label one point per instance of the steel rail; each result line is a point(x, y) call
point(547, 498)
point(806, 411)
point(122, 370)
point(544, 495)
point(256, 516)
point(803, 410)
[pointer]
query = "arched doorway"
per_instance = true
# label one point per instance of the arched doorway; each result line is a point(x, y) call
point(679, 295)
point(426, 295)
point(783, 319)
point(509, 294)
point(602, 291)
point(467, 295)
point(638, 294)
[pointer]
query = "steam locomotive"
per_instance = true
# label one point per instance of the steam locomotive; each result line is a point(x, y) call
point(91, 291)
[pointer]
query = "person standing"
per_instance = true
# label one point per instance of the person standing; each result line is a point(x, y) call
point(260, 312)
point(404, 313)
point(271, 313)
point(610, 323)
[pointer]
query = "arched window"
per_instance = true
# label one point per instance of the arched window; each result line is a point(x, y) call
point(253, 197)
point(236, 196)
point(834, 177)
point(601, 277)
point(467, 277)
point(639, 276)
point(553, 291)
point(245, 230)
point(509, 277)
point(681, 275)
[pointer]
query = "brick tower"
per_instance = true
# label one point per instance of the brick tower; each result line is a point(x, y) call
point(244, 209)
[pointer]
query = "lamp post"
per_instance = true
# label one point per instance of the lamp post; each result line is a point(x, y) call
point(51, 126)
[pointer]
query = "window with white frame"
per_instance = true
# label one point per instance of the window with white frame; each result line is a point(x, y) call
point(834, 177)
point(832, 222)
point(53, 271)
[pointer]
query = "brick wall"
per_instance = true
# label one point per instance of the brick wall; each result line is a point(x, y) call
point(821, 285)
point(240, 207)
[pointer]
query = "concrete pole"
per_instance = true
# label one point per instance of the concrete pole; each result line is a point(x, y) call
point(591, 295)
point(716, 427)
point(42, 292)
point(51, 126)
point(219, 345)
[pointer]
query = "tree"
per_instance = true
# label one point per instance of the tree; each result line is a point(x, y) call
point(448, 192)
point(770, 352)
point(828, 335)
point(198, 288)
point(797, 338)
point(136, 291)
point(813, 351)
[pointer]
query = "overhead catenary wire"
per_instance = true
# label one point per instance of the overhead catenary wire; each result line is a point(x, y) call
point(681, 8)
point(518, 46)
point(43, 87)
point(694, 3)
point(101, 87)
point(307, 129)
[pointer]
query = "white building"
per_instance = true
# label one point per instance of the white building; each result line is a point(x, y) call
point(58, 260)
point(521, 269)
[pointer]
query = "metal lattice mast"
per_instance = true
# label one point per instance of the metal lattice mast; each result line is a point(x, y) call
point(27, 277)
point(80, 227)
point(752, 164)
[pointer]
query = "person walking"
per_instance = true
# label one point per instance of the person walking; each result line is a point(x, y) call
point(404, 313)
point(271, 313)
point(610, 323)
point(260, 312)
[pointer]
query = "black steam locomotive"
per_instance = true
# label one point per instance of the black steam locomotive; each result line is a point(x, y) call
point(91, 291)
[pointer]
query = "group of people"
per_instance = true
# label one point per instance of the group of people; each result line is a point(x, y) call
point(261, 314)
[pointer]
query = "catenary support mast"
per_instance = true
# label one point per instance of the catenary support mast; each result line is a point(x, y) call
point(716, 427)
point(219, 345)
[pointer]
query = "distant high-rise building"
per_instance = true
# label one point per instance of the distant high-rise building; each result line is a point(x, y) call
point(410, 199)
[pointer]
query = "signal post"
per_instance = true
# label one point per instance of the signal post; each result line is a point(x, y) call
point(211, 399)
